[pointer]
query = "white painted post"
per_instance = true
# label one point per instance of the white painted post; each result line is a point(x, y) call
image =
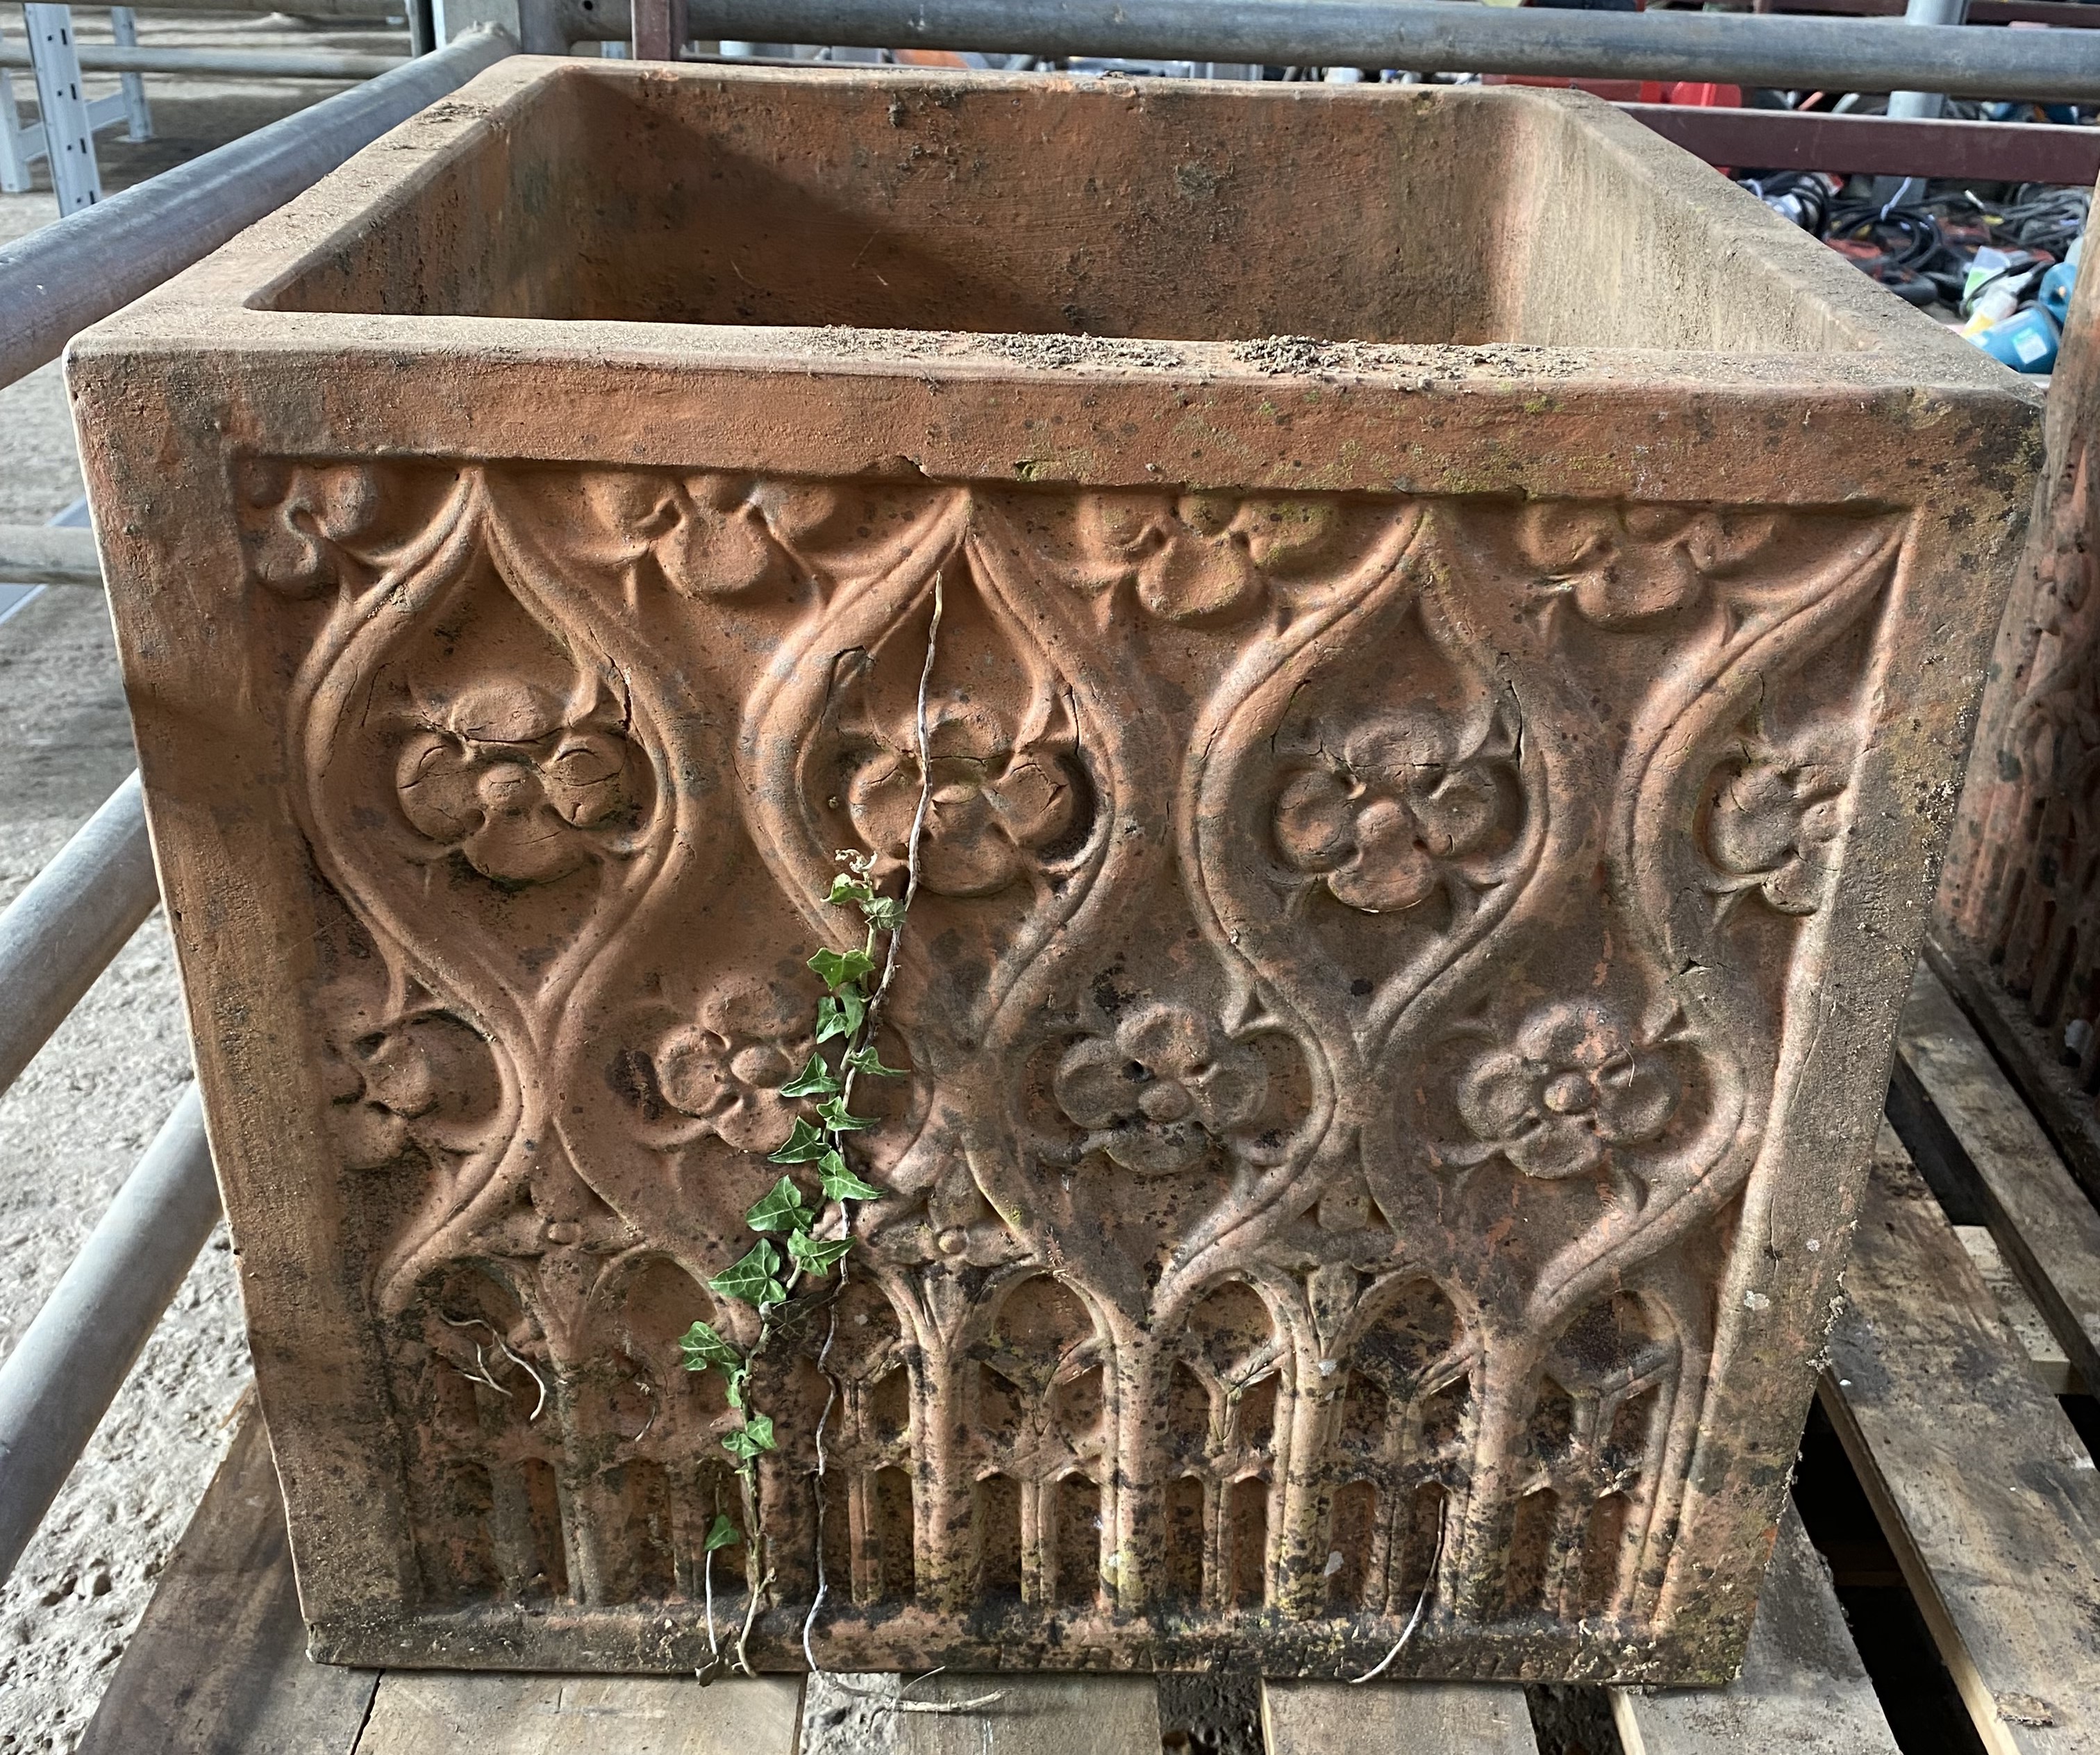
point(68, 133)
point(138, 119)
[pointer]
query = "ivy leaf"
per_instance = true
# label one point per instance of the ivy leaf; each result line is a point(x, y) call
point(754, 1436)
point(721, 1533)
point(867, 1060)
point(780, 1208)
point(805, 1144)
point(841, 1183)
point(700, 1346)
point(831, 1112)
point(839, 968)
point(750, 1278)
point(845, 889)
point(840, 1014)
point(737, 1379)
point(815, 1255)
point(814, 1080)
point(885, 914)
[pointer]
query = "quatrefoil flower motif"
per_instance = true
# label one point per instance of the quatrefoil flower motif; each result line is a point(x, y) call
point(1775, 823)
point(996, 799)
point(1624, 565)
point(1200, 557)
point(1575, 1083)
point(1389, 820)
point(1156, 1092)
point(399, 1082)
point(523, 787)
point(725, 1069)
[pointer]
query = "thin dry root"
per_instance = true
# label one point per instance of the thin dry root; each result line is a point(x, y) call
point(1421, 1603)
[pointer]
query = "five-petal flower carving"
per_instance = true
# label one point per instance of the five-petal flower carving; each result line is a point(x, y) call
point(1575, 1083)
point(1160, 1089)
point(522, 785)
point(725, 1069)
point(996, 798)
point(1410, 798)
point(1775, 821)
point(1198, 558)
point(1624, 565)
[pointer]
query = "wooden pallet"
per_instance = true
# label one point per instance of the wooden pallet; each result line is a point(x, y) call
point(1943, 1372)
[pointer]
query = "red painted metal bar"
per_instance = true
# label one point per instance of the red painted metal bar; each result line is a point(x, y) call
point(1806, 140)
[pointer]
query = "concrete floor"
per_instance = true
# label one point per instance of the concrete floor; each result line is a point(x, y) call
point(73, 1124)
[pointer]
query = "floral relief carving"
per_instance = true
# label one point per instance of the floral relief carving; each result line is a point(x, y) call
point(1401, 811)
point(1196, 557)
point(999, 797)
point(1178, 1084)
point(725, 1069)
point(396, 1082)
point(524, 786)
point(1777, 815)
point(711, 535)
point(1159, 1092)
point(1625, 565)
point(1574, 1083)
point(309, 528)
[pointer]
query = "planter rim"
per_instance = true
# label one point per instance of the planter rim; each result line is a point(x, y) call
point(222, 304)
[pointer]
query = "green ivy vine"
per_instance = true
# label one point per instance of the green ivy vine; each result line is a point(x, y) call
point(799, 1240)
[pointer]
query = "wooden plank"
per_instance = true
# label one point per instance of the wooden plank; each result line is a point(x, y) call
point(1072, 1714)
point(442, 1712)
point(219, 1664)
point(1817, 140)
point(2054, 1091)
point(1397, 1718)
point(2045, 1353)
point(1981, 1485)
point(1803, 1689)
point(2049, 1231)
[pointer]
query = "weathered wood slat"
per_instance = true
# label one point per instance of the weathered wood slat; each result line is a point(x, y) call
point(1034, 1715)
point(1803, 1690)
point(219, 1664)
point(2045, 1354)
point(442, 1712)
point(1400, 1718)
point(1981, 1486)
point(2049, 1231)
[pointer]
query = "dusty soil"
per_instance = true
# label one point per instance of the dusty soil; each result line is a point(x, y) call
point(74, 1123)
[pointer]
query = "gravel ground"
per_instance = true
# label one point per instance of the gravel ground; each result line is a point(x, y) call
point(75, 1121)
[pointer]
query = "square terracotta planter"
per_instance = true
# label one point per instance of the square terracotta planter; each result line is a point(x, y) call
point(1430, 833)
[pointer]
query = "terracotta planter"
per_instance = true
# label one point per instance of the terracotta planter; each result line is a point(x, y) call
point(1430, 837)
point(2021, 895)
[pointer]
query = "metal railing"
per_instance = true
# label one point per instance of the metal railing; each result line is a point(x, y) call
point(1840, 54)
point(60, 934)
point(229, 63)
point(55, 282)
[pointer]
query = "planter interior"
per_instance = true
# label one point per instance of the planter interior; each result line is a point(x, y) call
point(1457, 633)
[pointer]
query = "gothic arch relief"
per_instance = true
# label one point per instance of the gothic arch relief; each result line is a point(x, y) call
point(1358, 942)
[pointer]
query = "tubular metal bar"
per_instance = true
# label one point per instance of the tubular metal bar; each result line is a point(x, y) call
point(232, 63)
point(68, 1366)
point(48, 554)
point(1735, 48)
point(60, 933)
point(312, 8)
point(55, 282)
